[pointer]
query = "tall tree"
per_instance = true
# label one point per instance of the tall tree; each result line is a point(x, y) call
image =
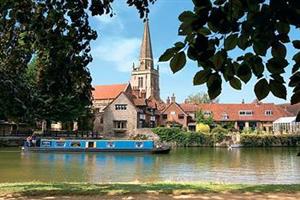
point(214, 28)
point(200, 98)
point(58, 34)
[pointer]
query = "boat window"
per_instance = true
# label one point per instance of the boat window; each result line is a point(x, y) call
point(139, 144)
point(75, 144)
point(46, 143)
point(60, 144)
point(90, 144)
point(110, 145)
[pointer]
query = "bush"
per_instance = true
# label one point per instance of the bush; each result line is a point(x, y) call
point(200, 127)
point(249, 140)
point(181, 138)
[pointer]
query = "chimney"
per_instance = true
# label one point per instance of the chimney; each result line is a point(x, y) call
point(243, 101)
point(168, 100)
point(173, 98)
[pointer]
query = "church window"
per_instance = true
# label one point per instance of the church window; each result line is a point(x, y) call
point(140, 82)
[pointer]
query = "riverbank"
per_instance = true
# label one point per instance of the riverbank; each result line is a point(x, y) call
point(221, 137)
point(161, 190)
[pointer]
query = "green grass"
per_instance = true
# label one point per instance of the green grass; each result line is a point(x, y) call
point(57, 189)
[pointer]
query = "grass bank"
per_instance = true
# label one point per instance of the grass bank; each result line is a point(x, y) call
point(87, 189)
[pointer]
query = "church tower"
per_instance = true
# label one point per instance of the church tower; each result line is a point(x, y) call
point(145, 78)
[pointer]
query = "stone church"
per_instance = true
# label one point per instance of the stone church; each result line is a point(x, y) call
point(127, 108)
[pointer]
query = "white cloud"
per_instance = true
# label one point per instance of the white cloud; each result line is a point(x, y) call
point(120, 52)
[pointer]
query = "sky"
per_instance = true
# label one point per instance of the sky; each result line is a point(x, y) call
point(118, 45)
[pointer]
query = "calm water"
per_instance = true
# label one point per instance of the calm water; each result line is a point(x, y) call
point(269, 165)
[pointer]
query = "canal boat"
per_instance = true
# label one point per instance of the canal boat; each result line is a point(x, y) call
point(52, 145)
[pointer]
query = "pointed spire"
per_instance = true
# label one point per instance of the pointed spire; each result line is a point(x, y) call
point(146, 56)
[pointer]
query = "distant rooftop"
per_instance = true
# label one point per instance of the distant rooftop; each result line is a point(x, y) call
point(102, 92)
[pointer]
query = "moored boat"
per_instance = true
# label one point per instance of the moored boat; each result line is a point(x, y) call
point(52, 145)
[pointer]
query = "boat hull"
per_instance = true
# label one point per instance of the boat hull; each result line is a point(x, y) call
point(165, 150)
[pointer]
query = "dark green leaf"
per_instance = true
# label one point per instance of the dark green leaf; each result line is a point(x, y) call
point(278, 89)
point(278, 51)
point(178, 61)
point(295, 80)
point(204, 31)
point(201, 77)
point(276, 65)
point(187, 16)
point(282, 28)
point(235, 83)
point(296, 67)
point(243, 41)
point(214, 85)
point(296, 57)
point(218, 59)
point(167, 55)
point(261, 89)
point(244, 72)
point(260, 47)
point(295, 98)
point(231, 42)
point(296, 44)
point(298, 117)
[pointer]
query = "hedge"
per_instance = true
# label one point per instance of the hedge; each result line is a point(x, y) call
point(250, 140)
point(178, 137)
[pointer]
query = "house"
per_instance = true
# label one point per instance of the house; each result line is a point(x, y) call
point(255, 115)
point(286, 125)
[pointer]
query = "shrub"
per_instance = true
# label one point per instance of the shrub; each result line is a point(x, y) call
point(249, 140)
point(200, 127)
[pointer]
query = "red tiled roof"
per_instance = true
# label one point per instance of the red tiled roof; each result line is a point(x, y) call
point(108, 91)
point(293, 109)
point(232, 111)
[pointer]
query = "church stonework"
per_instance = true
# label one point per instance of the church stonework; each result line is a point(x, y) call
point(145, 77)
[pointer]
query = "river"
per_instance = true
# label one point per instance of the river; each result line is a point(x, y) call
point(245, 165)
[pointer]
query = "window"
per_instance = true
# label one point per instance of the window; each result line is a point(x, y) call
point(245, 112)
point(75, 144)
point(165, 116)
point(268, 112)
point(142, 116)
point(120, 106)
point(139, 145)
point(60, 144)
point(181, 116)
point(140, 82)
point(207, 113)
point(173, 113)
point(225, 116)
point(120, 124)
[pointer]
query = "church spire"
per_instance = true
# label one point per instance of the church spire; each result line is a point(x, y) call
point(146, 56)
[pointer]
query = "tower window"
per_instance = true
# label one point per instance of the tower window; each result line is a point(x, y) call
point(140, 82)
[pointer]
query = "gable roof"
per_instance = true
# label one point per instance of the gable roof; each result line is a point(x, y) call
point(102, 92)
point(176, 104)
point(129, 99)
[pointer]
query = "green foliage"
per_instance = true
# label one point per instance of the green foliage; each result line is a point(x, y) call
point(199, 98)
point(254, 140)
point(56, 83)
point(201, 118)
point(219, 133)
point(213, 28)
point(182, 138)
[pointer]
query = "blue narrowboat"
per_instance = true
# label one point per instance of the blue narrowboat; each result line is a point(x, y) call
point(50, 145)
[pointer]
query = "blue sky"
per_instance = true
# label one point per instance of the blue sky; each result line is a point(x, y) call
point(118, 45)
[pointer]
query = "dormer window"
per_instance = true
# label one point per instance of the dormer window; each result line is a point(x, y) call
point(268, 112)
point(225, 116)
point(245, 112)
point(207, 112)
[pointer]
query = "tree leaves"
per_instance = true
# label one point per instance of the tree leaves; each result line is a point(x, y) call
point(178, 61)
point(278, 51)
point(278, 89)
point(201, 77)
point(244, 72)
point(261, 89)
point(296, 44)
point(231, 42)
point(167, 55)
point(235, 83)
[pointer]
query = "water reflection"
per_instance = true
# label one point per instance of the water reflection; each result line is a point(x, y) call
point(269, 165)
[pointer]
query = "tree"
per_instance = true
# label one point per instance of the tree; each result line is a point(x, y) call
point(204, 119)
point(57, 33)
point(212, 29)
point(199, 98)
